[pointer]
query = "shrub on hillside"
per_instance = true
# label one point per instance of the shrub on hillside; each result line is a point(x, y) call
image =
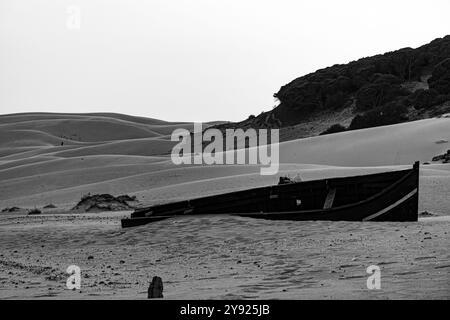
point(390, 113)
point(344, 84)
point(375, 80)
point(440, 79)
point(336, 100)
point(378, 93)
point(442, 86)
point(424, 99)
point(368, 97)
point(382, 78)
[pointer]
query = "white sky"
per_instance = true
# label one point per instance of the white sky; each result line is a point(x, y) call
point(191, 60)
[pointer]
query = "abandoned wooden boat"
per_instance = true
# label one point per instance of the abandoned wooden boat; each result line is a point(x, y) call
point(387, 196)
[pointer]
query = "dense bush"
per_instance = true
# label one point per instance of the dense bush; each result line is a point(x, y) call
point(34, 211)
point(388, 79)
point(390, 113)
point(441, 85)
point(373, 81)
point(336, 100)
point(376, 94)
point(440, 79)
point(422, 99)
point(335, 128)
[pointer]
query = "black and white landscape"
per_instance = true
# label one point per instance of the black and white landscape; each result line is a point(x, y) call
point(74, 161)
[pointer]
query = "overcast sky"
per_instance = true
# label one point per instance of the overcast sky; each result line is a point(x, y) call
point(190, 60)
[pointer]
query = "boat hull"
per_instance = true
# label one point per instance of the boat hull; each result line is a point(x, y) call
point(389, 196)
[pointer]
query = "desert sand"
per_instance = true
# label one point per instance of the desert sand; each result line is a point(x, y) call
point(57, 158)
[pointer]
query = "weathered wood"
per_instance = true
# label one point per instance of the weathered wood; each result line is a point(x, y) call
point(155, 290)
point(330, 198)
point(337, 199)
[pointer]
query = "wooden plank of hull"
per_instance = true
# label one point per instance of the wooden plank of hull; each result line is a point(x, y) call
point(405, 210)
point(232, 202)
point(397, 201)
point(330, 198)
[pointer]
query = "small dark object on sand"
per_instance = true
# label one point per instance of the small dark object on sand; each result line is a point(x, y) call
point(34, 211)
point(50, 206)
point(155, 290)
point(426, 214)
point(12, 209)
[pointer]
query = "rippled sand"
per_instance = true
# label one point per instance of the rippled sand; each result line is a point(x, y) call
point(215, 257)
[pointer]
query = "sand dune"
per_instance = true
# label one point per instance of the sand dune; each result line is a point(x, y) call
point(51, 164)
point(21, 117)
point(389, 145)
point(208, 257)
point(138, 147)
point(94, 126)
point(9, 153)
point(163, 183)
point(23, 138)
point(85, 130)
point(125, 154)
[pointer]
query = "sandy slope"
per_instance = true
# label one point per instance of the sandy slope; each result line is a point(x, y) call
point(199, 258)
point(115, 158)
point(223, 258)
point(389, 145)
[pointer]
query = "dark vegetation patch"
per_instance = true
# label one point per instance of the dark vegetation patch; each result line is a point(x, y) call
point(371, 83)
point(12, 209)
point(426, 214)
point(391, 113)
point(105, 202)
point(424, 99)
point(34, 211)
point(440, 79)
point(444, 158)
point(374, 87)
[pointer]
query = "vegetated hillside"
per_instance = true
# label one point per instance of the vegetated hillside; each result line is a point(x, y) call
point(407, 84)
